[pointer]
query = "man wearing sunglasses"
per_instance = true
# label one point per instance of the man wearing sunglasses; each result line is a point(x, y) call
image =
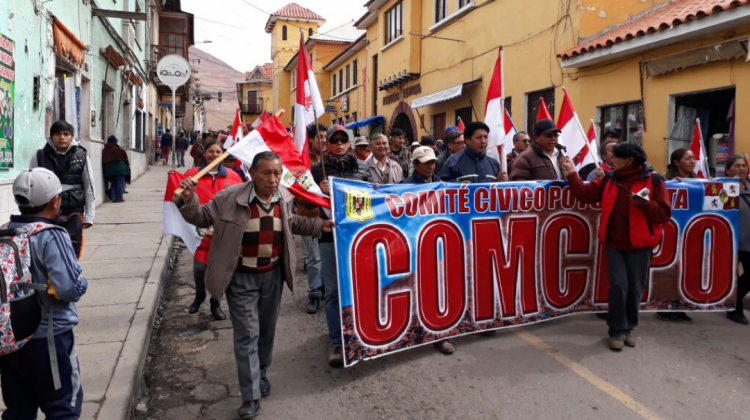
point(338, 161)
point(521, 142)
point(542, 160)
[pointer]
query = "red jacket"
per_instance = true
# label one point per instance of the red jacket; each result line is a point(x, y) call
point(632, 226)
point(209, 186)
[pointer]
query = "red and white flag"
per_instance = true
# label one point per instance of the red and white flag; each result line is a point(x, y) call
point(460, 125)
point(590, 151)
point(236, 132)
point(308, 102)
point(494, 115)
point(272, 136)
point(699, 150)
point(572, 136)
point(543, 111)
point(510, 132)
point(174, 223)
point(261, 119)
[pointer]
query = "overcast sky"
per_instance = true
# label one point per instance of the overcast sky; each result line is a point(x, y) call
point(245, 43)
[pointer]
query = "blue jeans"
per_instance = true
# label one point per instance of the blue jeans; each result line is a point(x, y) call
point(312, 260)
point(331, 283)
point(180, 157)
point(117, 187)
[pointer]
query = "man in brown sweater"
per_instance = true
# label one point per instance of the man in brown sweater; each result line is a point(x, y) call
point(254, 256)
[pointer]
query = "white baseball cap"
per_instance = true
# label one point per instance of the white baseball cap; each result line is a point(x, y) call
point(36, 187)
point(423, 154)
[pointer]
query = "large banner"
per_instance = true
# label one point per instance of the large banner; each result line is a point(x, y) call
point(7, 101)
point(419, 263)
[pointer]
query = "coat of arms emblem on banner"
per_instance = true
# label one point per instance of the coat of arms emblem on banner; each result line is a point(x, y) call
point(358, 205)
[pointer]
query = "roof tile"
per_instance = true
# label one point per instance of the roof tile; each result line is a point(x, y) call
point(295, 11)
point(658, 19)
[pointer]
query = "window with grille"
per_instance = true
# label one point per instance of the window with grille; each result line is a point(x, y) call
point(624, 119)
point(348, 76)
point(533, 103)
point(334, 85)
point(463, 3)
point(354, 73)
point(465, 115)
point(441, 10)
point(394, 22)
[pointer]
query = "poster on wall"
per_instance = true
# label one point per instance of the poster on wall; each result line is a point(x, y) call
point(7, 100)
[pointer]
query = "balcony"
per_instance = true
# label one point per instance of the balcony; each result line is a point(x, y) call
point(252, 109)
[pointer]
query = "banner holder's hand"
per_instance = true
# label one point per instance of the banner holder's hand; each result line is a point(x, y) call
point(328, 226)
point(218, 161)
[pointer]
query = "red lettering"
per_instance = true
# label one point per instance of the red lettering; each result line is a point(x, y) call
point(491, 261)
point(371, 328)
point(555, 194)
point(428, 203)
point(480, 200)
point(708, 279)
point(563, 295)
point(463, 200)
point(412, 204)
point(451, 193)
point(526, 197)
point(601, 284)
point(395, 205)
point(568, 200)
point(441, 310)
point(540, 196)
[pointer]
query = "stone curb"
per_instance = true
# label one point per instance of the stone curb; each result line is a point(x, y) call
point(119, 398)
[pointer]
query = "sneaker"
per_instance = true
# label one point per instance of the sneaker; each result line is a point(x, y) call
point(445, 347)
point(312, 305)
point(682, 317)
point(615, 343)
point(629, 340)
point(737, 317)
point(664, 316)
point(336, 358)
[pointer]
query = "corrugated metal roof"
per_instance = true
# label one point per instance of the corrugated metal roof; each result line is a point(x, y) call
point(346, 33)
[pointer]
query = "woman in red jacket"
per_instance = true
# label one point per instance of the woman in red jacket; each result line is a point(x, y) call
point(635, 205)
point(208, 186)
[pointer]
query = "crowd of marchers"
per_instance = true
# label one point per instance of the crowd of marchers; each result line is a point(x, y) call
point(254, 253)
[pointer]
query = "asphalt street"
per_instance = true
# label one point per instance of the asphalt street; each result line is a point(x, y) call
point(557, 370)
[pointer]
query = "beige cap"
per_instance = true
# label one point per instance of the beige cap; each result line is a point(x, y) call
point(423, 154)
point(361, 141)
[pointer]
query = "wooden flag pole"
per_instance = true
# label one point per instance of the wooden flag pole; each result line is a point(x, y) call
point(216, 162)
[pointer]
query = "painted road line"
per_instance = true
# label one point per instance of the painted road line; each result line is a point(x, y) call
point(589, 376)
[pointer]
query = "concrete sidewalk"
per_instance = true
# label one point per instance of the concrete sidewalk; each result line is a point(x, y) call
point(125, 257)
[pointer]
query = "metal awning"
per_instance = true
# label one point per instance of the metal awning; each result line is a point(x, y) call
point(442, 96)
point(379, 120)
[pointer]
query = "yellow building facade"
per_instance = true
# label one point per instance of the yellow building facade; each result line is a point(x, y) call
point(255, 94)
point(430, 61)
point(286, 26)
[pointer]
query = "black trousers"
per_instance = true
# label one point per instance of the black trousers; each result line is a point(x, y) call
point(743, 281)
point(27, 386)
point(628, 274)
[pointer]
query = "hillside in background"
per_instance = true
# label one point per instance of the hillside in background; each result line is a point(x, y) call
point(216, 76)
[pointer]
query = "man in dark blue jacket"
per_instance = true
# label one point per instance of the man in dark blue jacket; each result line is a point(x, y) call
point(472, 164)
point(166, 146)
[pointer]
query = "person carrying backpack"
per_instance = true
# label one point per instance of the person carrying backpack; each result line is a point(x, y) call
point(635, 205)
point(43, 373)
point(69, 161)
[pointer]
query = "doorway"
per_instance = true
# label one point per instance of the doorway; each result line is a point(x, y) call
point(712, 108)
point(403, 122)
